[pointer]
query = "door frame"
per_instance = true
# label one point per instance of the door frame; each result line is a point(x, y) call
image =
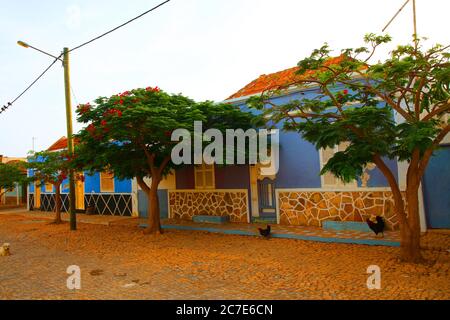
point(269, 196)
point(79, 195)
point(37, 195)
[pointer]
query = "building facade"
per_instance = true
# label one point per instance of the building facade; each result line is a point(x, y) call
point(295, 195)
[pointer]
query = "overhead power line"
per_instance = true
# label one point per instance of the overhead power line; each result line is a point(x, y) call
point(120, 26)
point(6, 106)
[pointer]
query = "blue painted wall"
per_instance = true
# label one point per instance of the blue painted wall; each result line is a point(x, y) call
point(299, 163)
point(299, 159)
point(92, 184)
point(163, 204)
point(31, 185)
point(436, 189)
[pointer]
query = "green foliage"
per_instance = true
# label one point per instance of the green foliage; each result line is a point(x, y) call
point(130, 133)
point(358, 100)
point(11, 174)
point(49, 166)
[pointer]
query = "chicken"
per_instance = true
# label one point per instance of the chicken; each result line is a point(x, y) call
point(265, 232)
point(376, 225)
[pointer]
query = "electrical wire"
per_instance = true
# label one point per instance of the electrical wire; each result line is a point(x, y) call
point(6, 106)
point(74, 96)
point(120, 26)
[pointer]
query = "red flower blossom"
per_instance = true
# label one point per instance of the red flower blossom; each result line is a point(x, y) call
point(155, 89)
point(91, 128)
point(83, 108)
point(345, 91)
point(103, 123)
point(126, 93)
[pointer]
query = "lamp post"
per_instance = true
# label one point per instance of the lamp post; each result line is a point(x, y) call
point(65, 62)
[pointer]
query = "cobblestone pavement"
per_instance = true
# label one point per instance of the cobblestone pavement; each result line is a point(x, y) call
point(119, 262)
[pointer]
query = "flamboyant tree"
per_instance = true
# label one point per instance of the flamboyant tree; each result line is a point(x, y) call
point(51, 167)
point(357, 103)
point(11, 174)
point(130, 135)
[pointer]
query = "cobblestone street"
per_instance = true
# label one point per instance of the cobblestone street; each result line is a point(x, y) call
point(119, 262)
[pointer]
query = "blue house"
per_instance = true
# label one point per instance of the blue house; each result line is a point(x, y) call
point(109, 195)
point(295, 195)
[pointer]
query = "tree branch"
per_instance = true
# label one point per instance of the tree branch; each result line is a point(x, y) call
point(143, 185)
point(394, 187)
point(429, 152)
point(437, 111)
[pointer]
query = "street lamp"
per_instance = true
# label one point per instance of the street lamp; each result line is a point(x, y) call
point(65, 62)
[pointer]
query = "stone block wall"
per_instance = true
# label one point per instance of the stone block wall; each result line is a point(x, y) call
point(186, 204)
point(311, 208)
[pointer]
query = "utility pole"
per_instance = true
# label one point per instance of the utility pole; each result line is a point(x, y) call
point(32, 142)
point(415, 24)
point(416, 40)
point(72, 213)
point(65, 62)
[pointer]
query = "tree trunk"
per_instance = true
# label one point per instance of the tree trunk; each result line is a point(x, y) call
point(154, 223)
point(410, 231)
point(58, 219)
point(407, 213)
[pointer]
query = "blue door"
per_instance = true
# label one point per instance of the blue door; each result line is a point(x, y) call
point(266, 198)
point(436, 189)
point(143, 204)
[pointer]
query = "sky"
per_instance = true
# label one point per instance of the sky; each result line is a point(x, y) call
point(204, 49)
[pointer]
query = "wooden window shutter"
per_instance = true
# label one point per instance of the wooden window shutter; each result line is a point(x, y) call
point(106, 181)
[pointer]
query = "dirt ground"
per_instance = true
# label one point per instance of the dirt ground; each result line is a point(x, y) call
point(120, 262)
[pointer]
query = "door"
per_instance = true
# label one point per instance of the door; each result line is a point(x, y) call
point(79, 195)
point(266, 196)
point(37, 196)
point(163, 204)
point(436, 189)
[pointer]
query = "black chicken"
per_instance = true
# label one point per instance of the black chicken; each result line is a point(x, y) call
point(265, 232)
point(376, 226)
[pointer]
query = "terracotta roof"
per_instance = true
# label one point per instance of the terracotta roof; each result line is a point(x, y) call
point(277, 79)
point(60, 144)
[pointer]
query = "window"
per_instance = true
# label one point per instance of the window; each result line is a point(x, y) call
point(328, 179)
point(106, 181)
point(48, 187)
point(204, 176)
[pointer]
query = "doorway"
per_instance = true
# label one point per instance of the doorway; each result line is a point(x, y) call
point(79, 195)
point(266, 197)
point(37, 195)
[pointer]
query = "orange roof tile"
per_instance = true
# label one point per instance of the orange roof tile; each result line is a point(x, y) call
point(60, 144)
point(277, 79)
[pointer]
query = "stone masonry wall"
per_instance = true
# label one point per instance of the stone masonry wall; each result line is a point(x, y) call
point(311, 208)
point(186, 204)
